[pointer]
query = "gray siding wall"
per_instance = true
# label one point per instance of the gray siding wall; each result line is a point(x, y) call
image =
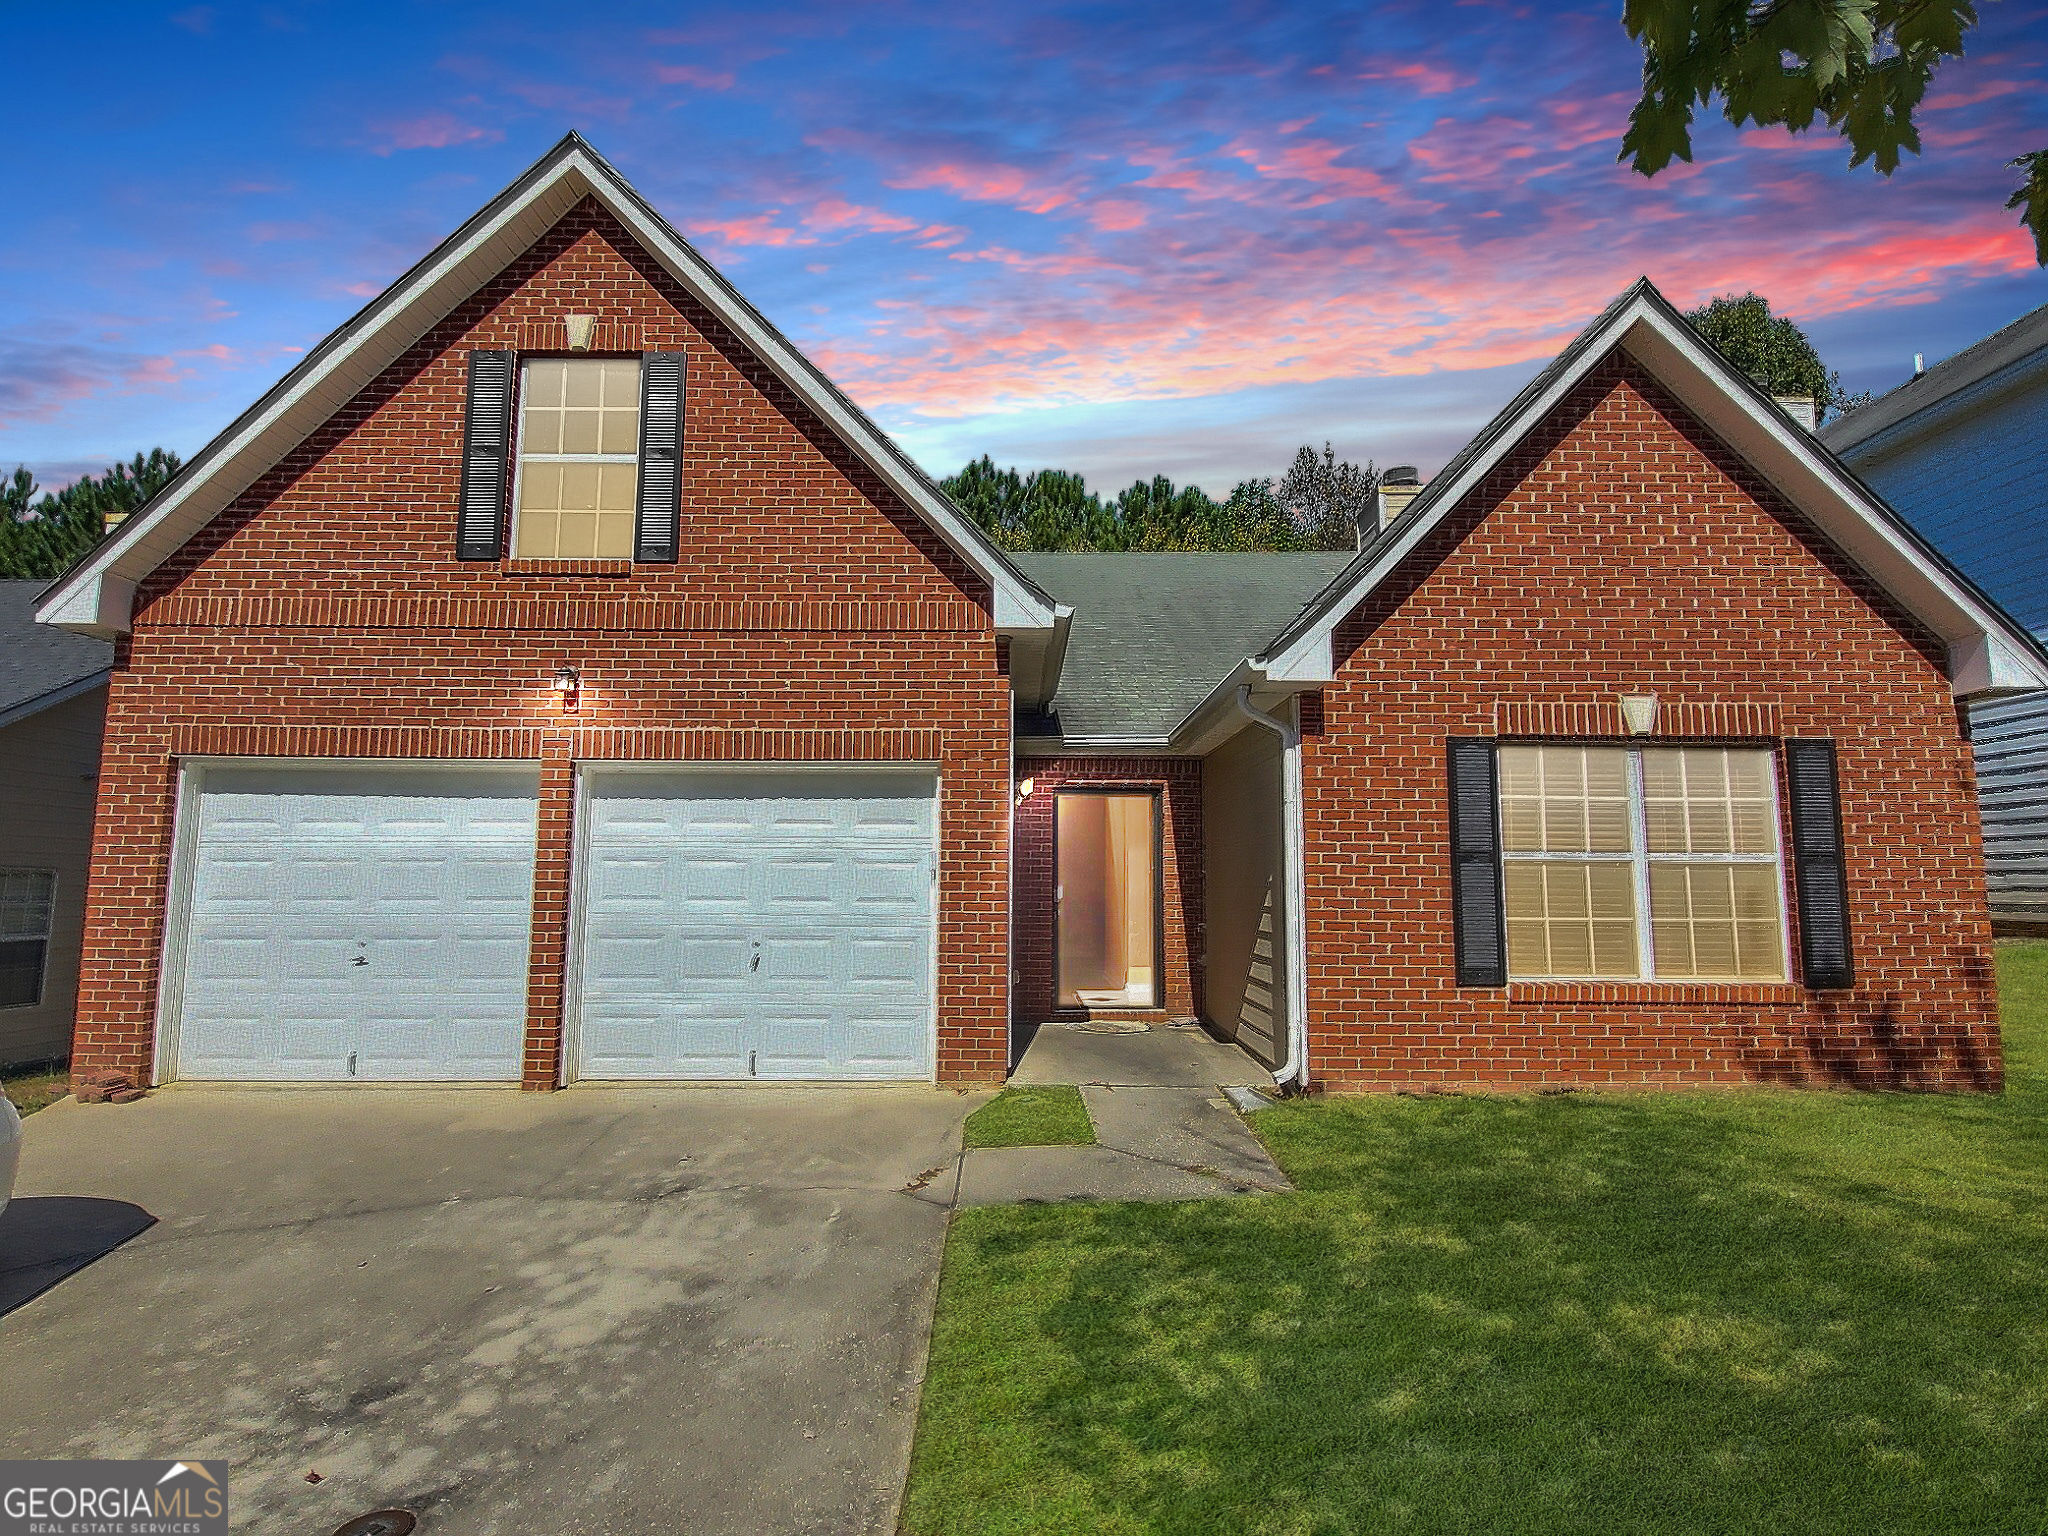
point(48, 768)
point(1971, 474)
point(2011, 741)
point(1245, 984)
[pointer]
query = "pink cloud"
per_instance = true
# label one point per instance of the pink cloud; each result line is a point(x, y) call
point(40, 379)
point(752, 229)
point(1117, 213)
point(432, 130)
point(1973, 95)
point(1428, 79)
point(694, 74)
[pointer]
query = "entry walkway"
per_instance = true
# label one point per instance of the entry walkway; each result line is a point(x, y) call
point(1163, 1127)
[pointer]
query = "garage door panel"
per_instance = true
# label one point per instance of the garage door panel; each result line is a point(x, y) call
point(794, 907)
point(383, 913)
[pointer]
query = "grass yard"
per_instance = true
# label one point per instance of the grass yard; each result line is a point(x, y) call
point(32, 1091)
point(1764, 1311)
point(1032, 1117)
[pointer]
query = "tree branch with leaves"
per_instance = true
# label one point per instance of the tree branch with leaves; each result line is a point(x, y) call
point(1860, 66)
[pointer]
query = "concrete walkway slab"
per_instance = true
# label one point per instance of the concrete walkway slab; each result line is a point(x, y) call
point(1153, 1144)
point(1155, 1056)
point(601, 1311)
point(1164, 1130)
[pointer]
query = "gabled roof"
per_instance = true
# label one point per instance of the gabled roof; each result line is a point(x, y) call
point(96, 596)
point(1999, 359)
point(1989, 653)
point(1152, 633)
point(40, 666)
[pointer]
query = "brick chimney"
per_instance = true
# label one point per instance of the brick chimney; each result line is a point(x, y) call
point(1398, 486)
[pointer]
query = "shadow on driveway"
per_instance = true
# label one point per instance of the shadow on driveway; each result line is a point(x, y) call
point(47, 1238)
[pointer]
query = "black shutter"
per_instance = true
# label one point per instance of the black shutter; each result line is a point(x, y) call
point(486, 456)
point(1817, 870)
point(1477, 929)
point(657, 507)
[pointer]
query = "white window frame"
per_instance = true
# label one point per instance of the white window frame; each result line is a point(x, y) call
point(49, 927)
point(1639, 858)
point(520, 458)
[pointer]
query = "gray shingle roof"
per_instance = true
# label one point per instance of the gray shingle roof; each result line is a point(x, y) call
point(2014, 343)
point(1153, 633)
point(36, 659)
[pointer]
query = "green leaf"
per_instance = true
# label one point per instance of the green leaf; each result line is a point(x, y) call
point(2032, 199)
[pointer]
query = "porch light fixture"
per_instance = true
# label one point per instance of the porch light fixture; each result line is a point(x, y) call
point(1639, 713)
point(1024, 787)
point(567, 682)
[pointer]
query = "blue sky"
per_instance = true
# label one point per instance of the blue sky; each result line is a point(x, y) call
point(1117, 238)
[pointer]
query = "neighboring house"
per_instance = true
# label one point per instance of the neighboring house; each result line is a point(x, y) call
point(53, 699)
point(555, 679)
point(1962, 452)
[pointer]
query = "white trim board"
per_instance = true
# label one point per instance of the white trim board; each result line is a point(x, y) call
point(97, 596)
point(1990, 654)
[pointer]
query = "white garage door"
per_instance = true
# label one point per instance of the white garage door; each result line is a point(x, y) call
point(357, 922)
point(769, 924)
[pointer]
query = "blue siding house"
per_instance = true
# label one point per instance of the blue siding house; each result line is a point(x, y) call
point(1962, 452)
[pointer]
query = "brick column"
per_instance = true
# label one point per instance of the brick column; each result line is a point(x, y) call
point(549, 946)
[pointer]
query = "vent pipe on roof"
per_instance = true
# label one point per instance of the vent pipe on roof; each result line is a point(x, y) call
point(1919, 364)
point(1398, 486)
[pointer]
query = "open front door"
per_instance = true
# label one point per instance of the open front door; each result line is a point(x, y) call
point(1107, 849)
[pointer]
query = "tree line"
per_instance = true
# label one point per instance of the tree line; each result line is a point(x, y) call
point(1319, 504)
point(40, 538)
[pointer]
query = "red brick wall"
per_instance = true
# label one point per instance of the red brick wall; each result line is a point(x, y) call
point(1623, 550)
point(812, 617)
point(1179, 782)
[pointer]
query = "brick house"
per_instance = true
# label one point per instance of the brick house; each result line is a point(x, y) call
point(556, 679)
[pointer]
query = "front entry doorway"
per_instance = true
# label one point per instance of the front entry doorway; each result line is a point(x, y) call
point(1107, 898)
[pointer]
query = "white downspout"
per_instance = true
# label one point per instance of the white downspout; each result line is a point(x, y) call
point(1294, 1069)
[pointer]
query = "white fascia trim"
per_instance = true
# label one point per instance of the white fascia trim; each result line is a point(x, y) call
point(1096, 746)
point(98, 596)
point(1016, 605)
point(1986, 655)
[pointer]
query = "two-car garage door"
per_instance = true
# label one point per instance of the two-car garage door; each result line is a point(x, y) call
point(372, 922)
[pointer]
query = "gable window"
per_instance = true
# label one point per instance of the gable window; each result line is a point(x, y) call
point(578, 458)
point(26, 899)
point(1647, 863)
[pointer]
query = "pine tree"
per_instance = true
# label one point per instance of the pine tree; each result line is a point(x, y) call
point(42, 539)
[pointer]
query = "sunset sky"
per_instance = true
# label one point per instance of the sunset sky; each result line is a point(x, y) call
point(1107, 237)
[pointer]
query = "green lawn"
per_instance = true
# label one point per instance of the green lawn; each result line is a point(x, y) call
point(32, 1091)
point(1032, 1117)
point(1763, 1311)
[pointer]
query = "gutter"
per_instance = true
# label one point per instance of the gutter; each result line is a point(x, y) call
point(1293, 1070)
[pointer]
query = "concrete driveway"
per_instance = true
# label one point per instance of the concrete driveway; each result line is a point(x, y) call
point(593, 1311)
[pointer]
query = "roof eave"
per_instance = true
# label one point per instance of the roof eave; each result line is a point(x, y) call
point(63, 693)
point(1989, 653)
point(96, 597)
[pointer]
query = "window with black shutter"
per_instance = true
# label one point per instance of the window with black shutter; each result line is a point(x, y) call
point(486, 448)
point(657, 510)
point(1476, 924)
point(1819, 874)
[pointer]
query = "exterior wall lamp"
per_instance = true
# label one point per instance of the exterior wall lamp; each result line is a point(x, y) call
point(568, 682)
